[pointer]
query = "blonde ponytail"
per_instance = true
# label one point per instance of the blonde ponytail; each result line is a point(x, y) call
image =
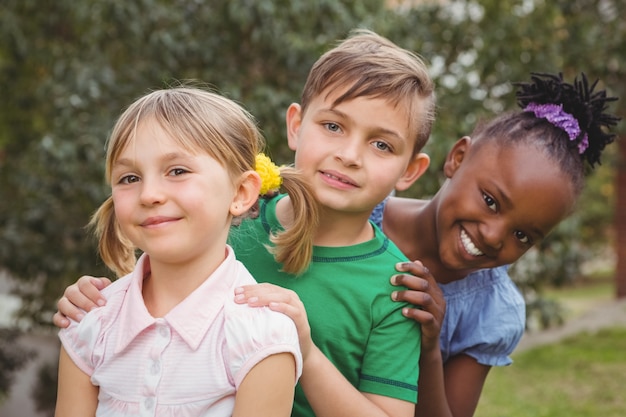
point(117, 252)
point(294, 246)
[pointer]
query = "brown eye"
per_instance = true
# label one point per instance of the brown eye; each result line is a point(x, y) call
point(522, 237)
point(128, 179)
point(177, 171)
point(490, 201)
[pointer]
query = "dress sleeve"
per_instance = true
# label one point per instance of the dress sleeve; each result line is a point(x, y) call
point(498, 339)
point(485, 320)
point(253, 334)
point(84, 342)
point(80, 340)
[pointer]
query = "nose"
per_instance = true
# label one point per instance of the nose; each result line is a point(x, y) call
point(349, 152)
point(151, 192)
point(494, 233)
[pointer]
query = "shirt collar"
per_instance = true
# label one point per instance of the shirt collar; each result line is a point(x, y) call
point(191, 318)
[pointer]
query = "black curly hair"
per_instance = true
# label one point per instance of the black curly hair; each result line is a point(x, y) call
point(577, 99)
point(580, 101)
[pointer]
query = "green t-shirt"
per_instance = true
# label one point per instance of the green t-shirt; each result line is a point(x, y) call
point(347, 296)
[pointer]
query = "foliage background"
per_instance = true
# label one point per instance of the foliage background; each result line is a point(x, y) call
point(68, 68)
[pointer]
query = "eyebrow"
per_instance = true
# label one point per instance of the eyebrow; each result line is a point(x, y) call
point(378, 128)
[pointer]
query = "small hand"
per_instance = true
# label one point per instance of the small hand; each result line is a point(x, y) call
point(84, 295)
point(281, 300)
point(423, 292)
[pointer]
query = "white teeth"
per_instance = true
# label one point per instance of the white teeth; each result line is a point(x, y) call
point(337, 178)
point(469, 245)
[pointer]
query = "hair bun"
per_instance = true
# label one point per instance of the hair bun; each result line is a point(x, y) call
point(578, 100)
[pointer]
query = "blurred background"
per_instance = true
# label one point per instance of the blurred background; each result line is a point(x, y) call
point(68, 68)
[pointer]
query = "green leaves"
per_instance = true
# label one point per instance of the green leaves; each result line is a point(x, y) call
point(67, 70)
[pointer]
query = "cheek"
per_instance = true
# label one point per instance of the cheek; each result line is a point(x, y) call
point(513, 253)
point(122, 205)
point(303, 159)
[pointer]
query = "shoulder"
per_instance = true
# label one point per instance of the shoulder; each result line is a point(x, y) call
point(84, 341)
point(485, 316)
point(388, 249)
point(254, 333)
point(488, 293)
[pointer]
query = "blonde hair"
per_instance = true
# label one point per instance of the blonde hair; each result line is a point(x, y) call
point(368, 65)
point(203, 121)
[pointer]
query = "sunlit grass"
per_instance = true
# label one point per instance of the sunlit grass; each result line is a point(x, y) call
point(577, 299)
point(583, 376)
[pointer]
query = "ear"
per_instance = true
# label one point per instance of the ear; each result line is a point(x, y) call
point(456, 155)
point(417, 166)
point(246, 194)
point(293, 120)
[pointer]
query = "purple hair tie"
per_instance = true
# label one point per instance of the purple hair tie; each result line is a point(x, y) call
point(554, 114)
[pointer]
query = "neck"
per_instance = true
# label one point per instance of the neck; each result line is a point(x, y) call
point(168, 284)
point(411, 225)
point(335, 228)
point(343, 229)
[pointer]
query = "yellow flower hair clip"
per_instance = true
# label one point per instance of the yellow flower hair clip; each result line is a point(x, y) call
point(269, 173)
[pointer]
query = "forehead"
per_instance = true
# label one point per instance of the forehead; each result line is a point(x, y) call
point(528, 184)
point(372, 110)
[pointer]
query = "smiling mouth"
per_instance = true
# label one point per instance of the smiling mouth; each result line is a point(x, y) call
point(156, 221)
point(469, 246)
point(336, 178)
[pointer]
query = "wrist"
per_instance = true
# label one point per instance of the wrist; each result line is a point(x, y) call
point(431, 354)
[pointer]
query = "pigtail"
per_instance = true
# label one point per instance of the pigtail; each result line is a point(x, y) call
point(574, 108)
point(294, 245)
point(117, 252)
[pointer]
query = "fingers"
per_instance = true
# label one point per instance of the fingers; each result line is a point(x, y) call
point(281, 300)
point(430, 327)
point(60, 320)
point(90, 288)
point(85, 294)
point(419, 281)
point(424, 293)
point(82, 296)
point(263, 294)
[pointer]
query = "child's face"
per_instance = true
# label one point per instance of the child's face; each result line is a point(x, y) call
point(169, 202)
point(355, 153)
point(498, 201)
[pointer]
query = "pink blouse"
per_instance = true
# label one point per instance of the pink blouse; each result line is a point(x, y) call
point(187, 363)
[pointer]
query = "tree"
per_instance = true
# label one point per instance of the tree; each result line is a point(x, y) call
point(12, 358)
point(69, 69)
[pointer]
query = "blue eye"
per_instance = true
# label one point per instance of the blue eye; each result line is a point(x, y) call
point(381, 145)
point(333, 127)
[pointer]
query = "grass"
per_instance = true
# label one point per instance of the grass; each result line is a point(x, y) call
point(582, 376)
point(577, 299)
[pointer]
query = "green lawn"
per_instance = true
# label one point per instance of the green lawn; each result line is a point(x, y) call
point(584, 376)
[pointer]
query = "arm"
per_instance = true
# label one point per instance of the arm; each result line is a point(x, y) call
point(76, 395)
point(450, 390)
point(268, 389)
point(79, 297)
point(329, 393)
